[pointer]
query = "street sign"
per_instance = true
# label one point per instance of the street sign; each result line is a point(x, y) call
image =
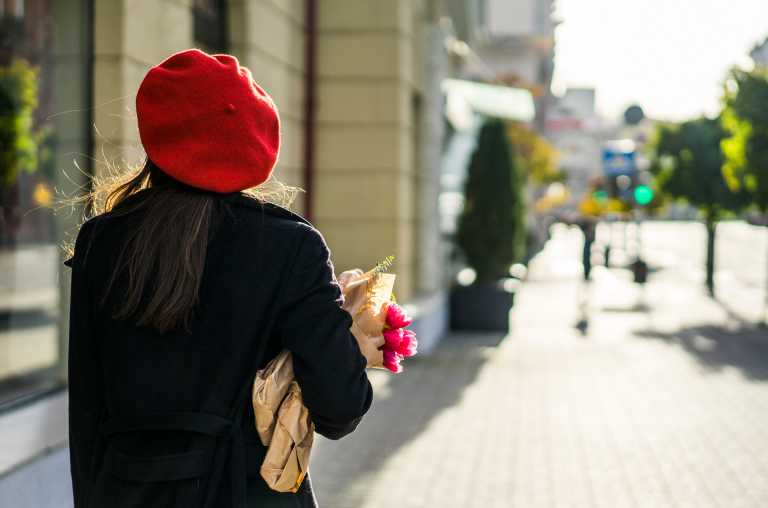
point(619, 158)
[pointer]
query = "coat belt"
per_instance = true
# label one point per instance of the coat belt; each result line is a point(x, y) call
point(229, 451)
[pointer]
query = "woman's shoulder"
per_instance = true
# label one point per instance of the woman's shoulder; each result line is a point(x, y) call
point(270, 215)
point(84, 238)
point(306, 237)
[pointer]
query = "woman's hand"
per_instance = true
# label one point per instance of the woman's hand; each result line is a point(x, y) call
point(369, 345)
point(347, 276)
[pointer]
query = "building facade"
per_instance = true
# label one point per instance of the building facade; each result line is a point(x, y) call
point(578, 134)
point(514, 44)
point(357, 83)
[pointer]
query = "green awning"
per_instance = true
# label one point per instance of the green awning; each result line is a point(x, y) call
point(491, 100)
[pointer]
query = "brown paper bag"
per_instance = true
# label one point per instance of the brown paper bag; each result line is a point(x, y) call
point(269, 389)
point(283, 424)
point(287, 459)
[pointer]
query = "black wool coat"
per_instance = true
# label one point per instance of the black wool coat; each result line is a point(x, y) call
point(165, 420)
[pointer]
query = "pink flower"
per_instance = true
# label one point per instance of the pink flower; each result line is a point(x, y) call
point(408, 344)
point(393, 338)
point(396, 316)
point(392, 360)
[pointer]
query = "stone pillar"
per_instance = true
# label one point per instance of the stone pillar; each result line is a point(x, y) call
point(430, 302)
point(365, 162)
point(267, 36)
point(430, 262)
point(130, 36)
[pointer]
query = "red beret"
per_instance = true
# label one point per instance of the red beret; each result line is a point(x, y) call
point(205, 122)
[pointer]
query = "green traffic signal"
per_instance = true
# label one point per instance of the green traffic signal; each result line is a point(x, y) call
point(643, 195)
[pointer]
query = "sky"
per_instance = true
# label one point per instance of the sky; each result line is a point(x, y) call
point(669, 56)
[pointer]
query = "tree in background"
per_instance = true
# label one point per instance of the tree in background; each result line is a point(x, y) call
point(688, 165)
point(745, 118)
point(491, 229)
point(543, 180)
point(538, 157)
point(19, 140)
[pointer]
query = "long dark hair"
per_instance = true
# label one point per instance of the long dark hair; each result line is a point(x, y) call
point(164, 252)
point(163, 256)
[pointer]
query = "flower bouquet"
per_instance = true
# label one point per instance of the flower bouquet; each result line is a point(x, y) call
point(378, 323)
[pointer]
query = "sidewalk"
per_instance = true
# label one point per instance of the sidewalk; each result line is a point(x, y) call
point(664, 402)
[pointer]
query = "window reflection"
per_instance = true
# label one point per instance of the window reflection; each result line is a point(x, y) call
point(43, 93)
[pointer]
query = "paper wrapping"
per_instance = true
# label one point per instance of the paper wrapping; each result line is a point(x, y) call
point(282, 421)
point(269, 389)
point(287, 459)
point(366, 299)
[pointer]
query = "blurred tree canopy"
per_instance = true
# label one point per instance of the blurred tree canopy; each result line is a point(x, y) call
point(491, 229)
point(688, 165)
point(18, 139)
point(538, 157)
point(745, 119)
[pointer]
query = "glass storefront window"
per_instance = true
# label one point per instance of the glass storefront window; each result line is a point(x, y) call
point(210, 25)
point(45, 82)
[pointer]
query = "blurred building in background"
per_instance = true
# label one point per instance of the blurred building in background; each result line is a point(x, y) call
point(578, 133)
point(508, 46)
point(515, 45)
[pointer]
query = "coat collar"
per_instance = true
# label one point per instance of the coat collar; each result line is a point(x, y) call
point(245, 200)
point(240, 199)
point(235, 198)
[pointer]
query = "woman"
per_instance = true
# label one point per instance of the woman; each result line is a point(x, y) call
point(186, 286)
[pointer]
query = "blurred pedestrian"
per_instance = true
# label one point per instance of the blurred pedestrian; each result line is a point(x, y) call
point(588, 228)
point(182, 288)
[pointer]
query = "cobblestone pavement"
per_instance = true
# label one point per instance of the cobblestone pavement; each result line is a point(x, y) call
point(662, 403)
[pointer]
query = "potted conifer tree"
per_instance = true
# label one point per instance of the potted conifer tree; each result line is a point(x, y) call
point(490, 232)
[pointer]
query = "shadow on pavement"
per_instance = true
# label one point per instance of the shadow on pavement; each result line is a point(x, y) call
point(402, 409)
point(732, 313)
point(716, 347)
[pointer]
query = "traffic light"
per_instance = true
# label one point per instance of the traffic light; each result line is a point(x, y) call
point(643, 195)
point(600, 196)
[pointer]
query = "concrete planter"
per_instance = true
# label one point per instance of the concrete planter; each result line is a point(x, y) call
point(482, 307)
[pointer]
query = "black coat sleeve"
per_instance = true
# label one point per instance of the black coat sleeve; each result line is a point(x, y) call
point(85, 380)
point(327, 361)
